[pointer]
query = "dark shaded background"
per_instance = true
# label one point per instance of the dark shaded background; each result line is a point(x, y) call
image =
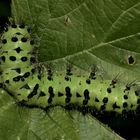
point(5, 7)
point(5, 12)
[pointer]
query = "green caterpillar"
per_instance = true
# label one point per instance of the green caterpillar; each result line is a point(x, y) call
point(35, 86)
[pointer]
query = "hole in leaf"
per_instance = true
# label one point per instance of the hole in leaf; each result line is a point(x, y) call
point(131, 60)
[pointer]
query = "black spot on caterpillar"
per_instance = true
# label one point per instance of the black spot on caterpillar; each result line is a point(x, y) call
point(37, 86)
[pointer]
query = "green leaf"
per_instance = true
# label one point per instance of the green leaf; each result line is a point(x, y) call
point(86, 32)
point(21, 123)
point(82, 33)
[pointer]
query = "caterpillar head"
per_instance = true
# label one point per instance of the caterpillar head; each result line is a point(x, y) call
point(15, 45)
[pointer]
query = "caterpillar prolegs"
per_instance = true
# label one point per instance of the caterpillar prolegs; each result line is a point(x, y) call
point(34, 85)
